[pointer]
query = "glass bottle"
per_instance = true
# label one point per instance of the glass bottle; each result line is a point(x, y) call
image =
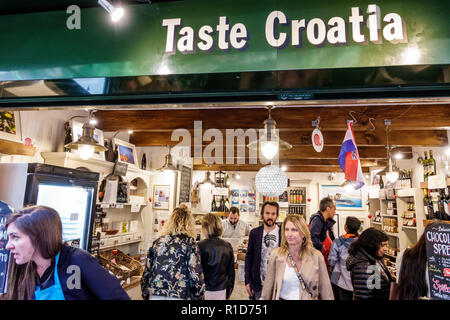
point(431, 165)
point(144, 162)
point(213, 204)
point(425, 167)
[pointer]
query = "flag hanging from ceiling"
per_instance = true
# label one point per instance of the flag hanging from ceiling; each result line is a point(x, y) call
point(349, 159)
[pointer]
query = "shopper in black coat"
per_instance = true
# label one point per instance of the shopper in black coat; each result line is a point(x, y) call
point(370, 277)
point(217, 260)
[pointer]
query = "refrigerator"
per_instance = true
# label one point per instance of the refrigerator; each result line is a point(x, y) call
point(71, 192)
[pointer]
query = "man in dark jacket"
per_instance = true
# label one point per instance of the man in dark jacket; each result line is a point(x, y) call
point(321, 225)
point(261, 242)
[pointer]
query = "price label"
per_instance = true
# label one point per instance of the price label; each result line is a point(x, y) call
point(104, 205)
point(135, 207)
point(436, 182)
point(119, 205)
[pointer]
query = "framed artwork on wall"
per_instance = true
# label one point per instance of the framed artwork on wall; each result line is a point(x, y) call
point(127, 152)
point(10, 126)
point(77, 132)
point(344, 200)
point(161, 197)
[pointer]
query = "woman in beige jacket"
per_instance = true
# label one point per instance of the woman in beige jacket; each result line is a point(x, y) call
point(296, 253)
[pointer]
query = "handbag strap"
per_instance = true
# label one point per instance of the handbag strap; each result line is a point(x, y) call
point(299, 276)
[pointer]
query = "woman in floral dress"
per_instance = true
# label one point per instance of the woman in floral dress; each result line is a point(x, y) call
point(174, 270)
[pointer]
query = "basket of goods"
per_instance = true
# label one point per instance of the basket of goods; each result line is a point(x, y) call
point(121, 265)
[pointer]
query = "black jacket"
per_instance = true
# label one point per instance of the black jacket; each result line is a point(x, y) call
point(217, 260)
point(318, 228)
point(95, 282)
point(253, 258)
point(362, 268)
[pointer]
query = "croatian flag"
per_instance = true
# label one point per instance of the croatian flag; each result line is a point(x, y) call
point(349, 159)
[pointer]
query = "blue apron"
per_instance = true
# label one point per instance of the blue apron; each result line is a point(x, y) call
point(54, 292)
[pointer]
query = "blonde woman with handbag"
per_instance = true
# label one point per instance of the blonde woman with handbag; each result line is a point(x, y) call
point(296, 270)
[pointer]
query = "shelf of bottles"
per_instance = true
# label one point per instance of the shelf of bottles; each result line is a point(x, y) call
point(409, 215)
point(220, 203)
point(404, 179)
point(297, 201)
point(390, 225)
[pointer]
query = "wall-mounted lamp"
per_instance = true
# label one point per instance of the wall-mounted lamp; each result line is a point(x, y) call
point(86, 144)
point(116, 13)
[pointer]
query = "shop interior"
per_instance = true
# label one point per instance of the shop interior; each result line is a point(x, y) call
point(166, 166)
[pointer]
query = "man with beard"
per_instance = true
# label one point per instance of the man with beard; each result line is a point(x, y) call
point(233, 227)
point(261, 242)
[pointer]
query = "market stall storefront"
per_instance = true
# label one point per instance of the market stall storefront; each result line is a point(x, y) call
point(200, 77)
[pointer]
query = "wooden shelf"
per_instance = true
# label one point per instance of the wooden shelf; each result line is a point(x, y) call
point(375, 222)
point(427, 222)
point(409, 228)
point(16, 148)
point(391, 234)
point(390, 215)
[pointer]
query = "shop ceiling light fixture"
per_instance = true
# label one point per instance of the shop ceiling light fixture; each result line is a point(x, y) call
point(86, 144)
point(271, 181)
point(168, 165)
point(116, 13)
point(207, 181)
point(269, 143)
point(391, 175)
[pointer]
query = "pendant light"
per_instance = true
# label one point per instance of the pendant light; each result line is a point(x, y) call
point(269, 143)
point(168, 165)
point(271, 181)
point(391, 175)
point(86, 144)
point(207, 180)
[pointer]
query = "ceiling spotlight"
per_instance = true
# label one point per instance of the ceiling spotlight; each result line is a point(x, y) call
point(237, 176)
point(283, 168)
point(115, 13)
point(130, 131)
point(93, 122)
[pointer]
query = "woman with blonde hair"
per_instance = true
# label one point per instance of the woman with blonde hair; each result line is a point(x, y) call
point(296, 270)
point(217, 260)
point(173, 270)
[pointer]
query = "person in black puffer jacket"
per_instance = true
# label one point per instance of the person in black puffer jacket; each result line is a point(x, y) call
point(217, 260)
point(370, 277)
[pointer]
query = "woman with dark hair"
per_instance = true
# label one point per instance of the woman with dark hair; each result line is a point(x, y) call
point(370, 277)
point(413, 279)
point(43, 268)
point(217, 260)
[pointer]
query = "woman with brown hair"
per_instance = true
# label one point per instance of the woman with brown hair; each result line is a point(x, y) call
point(296, 270)
point(413, 281)
point(173, 270)
point(217, 260)
point(43, 268)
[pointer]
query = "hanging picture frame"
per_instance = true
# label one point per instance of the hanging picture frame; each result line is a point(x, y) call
point(127, 152)
point(10, 126)
point(161, 197)
point(77, 132)
point(344, 200)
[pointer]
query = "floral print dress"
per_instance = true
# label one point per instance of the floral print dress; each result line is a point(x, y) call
point(173, 269)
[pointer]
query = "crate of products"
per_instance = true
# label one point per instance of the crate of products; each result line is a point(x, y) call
point(120, 264)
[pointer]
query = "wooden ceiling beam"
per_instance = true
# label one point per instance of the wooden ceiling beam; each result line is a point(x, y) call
point(403, 117)
point(306, 152)
point(258, 167)
point(431, 138)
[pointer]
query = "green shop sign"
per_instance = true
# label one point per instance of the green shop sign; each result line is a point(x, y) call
point(194, 37)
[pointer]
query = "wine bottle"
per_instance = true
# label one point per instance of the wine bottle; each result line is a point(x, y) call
point(213, 204)
point(446, 203)
point(301, 197)
point(116, 153)
point(431, 165)
point(425, 167)
point(222, 205)
point(144, 162)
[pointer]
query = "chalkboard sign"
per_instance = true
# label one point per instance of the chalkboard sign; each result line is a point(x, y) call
point(5, 211)
point(437, 237)
point(185, 184)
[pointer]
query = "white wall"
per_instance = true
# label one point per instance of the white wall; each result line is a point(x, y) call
point(46, 130)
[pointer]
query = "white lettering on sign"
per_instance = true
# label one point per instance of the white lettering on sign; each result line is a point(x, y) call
point(279, 28)
point(185, 39)
point(3, 235)
point(3, 257)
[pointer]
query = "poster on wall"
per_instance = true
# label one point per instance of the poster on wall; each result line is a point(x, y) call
point(437, 239)
point(161, 197)
point(234, 197)
point(243, 208)
point(344, 200)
